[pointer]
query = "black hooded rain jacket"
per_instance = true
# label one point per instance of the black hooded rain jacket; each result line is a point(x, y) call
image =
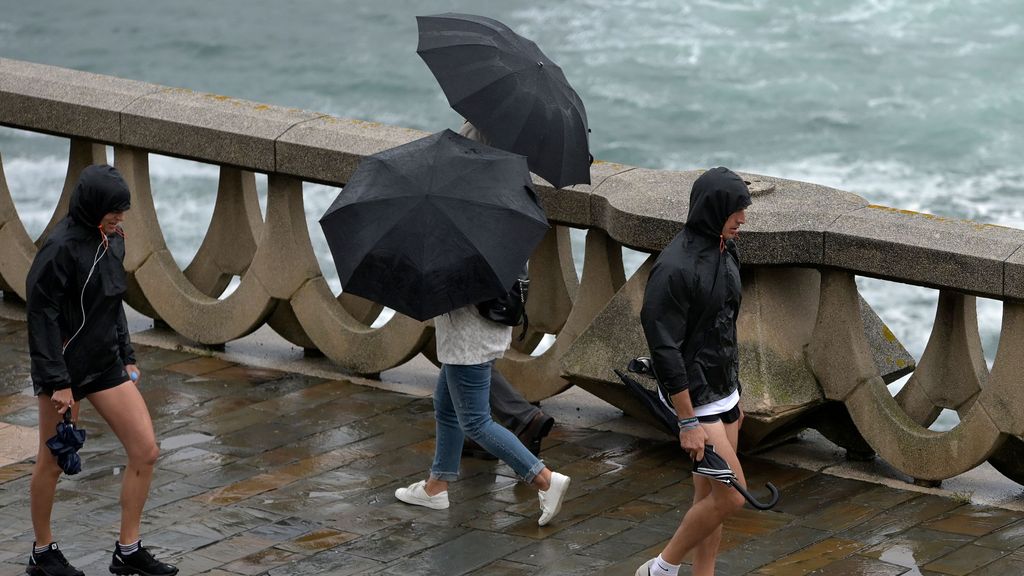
point(693, 296)
point(75, 289)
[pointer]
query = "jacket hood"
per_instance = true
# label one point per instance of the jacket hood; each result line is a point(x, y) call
point(100, 190)
point(715, 196)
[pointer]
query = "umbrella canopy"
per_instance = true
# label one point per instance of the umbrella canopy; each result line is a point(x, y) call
point(652, 400)
point(434, 225)
point(505, 86)
point(64, 445)
point(715, 467)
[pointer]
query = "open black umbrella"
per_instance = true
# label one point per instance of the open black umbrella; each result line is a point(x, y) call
point(434, 225)
point(506, 87)
point(66, 443)
point(715, 467)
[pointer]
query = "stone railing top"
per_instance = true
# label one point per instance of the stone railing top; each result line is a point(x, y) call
point(790, 223)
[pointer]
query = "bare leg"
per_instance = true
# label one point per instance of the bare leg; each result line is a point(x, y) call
point(125, 410)
point(46, 472)
point(706, 515)
point(707, 550)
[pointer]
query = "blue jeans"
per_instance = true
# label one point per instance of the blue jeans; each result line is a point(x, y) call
point(462, 406)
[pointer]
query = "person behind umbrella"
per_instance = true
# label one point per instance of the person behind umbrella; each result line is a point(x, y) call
point(689, 319)
point(467, 346)
point(79, 348)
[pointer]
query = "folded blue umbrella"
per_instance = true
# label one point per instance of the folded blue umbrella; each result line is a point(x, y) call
point(65, 445)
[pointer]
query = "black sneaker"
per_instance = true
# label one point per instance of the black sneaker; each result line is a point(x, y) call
point(139, 562)
point(50, 563)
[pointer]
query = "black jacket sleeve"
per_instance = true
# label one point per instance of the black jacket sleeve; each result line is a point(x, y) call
point(46, 291)
point(124, 341)
point(665, 315)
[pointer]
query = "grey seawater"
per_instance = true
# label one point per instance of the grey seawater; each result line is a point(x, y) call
point(918, 105)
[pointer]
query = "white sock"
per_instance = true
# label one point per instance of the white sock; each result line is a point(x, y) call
point(661, 567)
point(127, 549)
point(41, 549)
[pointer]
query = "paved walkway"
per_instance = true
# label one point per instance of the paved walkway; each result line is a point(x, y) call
point(265, 472)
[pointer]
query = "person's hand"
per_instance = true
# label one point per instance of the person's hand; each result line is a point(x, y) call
point(692, 441)
point(62, 400)
point(133, 372)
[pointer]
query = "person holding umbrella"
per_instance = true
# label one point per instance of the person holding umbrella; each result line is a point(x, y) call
point(80, 348)
point(467, 346)
point(689, 316)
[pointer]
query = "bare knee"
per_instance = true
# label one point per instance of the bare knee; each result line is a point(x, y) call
point(728, 503)
point(144, 456)
point(46, 466)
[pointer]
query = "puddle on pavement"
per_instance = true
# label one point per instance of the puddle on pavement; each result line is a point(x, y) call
point(899, 555)
point(182, 440)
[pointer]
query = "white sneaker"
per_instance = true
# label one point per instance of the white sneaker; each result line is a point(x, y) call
point(551, 499)
point(645, 568)
point(417, 494)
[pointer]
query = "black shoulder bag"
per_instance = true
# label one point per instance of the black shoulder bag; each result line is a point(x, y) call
point(509, 309)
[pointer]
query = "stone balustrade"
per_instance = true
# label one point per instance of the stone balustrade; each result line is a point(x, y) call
point(814, 354)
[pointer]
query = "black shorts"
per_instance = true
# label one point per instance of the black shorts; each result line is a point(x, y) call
point(727, 417)
point(110, 378)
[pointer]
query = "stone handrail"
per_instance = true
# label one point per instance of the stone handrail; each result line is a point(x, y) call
point(813, 353)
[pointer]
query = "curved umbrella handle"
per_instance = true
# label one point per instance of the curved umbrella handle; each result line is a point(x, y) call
point(753, 501)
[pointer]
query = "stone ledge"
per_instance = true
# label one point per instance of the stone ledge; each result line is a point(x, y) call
point(328, 149)
point(66, 102)
point(209, 127)
point(919, 248)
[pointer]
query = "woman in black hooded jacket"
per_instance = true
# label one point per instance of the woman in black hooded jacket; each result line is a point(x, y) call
point(691, 304)
point(79, 347)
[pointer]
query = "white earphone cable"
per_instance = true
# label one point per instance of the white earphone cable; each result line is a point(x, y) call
point(81, 299)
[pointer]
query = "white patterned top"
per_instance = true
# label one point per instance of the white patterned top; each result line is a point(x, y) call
point(465, 337)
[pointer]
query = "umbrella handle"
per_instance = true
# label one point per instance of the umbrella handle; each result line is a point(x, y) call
point(753, 501)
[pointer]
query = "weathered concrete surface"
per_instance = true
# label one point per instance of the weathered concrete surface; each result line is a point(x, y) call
point(266, 472)
point(209, 127)
point(776, 323)
point(922, 249)
point(66, 102)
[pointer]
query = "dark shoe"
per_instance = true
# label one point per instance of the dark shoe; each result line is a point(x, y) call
point(50, 563)
point(139, 562)
point(473, 450)
point(535, 431)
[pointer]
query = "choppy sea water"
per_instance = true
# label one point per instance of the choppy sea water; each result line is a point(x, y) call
point(918, 105)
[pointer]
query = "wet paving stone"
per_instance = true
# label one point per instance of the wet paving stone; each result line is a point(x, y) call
point(840, 516)
point(259, 562)
point(506, 568)
point(761, 551)
point(15, 471)
point(637, 510)
point(401, 540)
point(972, 520)
point(818, 492)
point(317, 541)
point(965, 560)
point(460, 555)
point(1008, 538)
point(1005, 566)
point(813, 557)
point(332, 562)
point(916, 547)
point(859, 566)
point(198, 365)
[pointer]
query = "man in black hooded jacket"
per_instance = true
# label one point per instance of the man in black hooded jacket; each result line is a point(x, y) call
point(689, 316)
point(80, 348)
